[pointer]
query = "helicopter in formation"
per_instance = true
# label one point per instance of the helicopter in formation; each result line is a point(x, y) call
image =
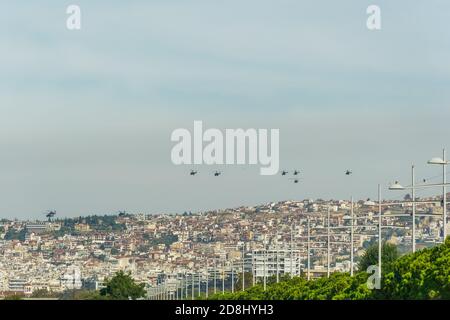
point(216, 173)
point(283, 173)
point(294, 172)
point(50, 214)
point(122, 213)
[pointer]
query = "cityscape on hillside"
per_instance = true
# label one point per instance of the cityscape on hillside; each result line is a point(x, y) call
point(256, 151)
point(212, 248)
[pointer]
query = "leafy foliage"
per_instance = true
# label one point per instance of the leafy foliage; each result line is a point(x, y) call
point(13, 234)
point(166, 239)
point(422, 275)
point(338, 287)
point(106, 223)
point(248, 280)
point(43, 293)
point(122, 287)
point(389, 254)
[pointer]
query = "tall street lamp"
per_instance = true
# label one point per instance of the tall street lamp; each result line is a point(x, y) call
point(397, 186)
point(443, 162)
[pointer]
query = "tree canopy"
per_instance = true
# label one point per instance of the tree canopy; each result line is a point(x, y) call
point(122, 287)
point(389, 254)
point(424, 274)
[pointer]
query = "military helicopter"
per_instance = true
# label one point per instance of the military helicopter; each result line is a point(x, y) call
point(217, 173)
point(348, 172)
point(296, 172)
point(122, 213)
point(50, 214)
point(193, 173)
point(283, 173)
point(296, 180)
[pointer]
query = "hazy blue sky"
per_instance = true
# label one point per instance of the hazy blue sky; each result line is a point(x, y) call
point(86, 116)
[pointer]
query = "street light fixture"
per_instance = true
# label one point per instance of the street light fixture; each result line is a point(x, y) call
point(443, 162)
point(438, 160)
point(397, 186)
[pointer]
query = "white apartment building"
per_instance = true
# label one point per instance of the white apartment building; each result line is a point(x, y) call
point(275, 261)
point(72, 278)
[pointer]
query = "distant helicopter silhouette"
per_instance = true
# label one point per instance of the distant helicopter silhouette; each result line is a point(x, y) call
point(217, 173)
point(296, 172)
point(50, 214)
point(283, 173)
point(193, 173)
point(348, 172)
point(122, 213)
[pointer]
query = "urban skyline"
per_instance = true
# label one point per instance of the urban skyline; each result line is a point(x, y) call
point(157, 248)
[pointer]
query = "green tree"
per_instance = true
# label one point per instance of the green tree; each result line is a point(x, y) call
point(82, 294)
point(424, 274)
point(248, 280)
point(13, 234)
point(43, 293)
point(122, 287)
point(339, 286)
point(389, 254)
